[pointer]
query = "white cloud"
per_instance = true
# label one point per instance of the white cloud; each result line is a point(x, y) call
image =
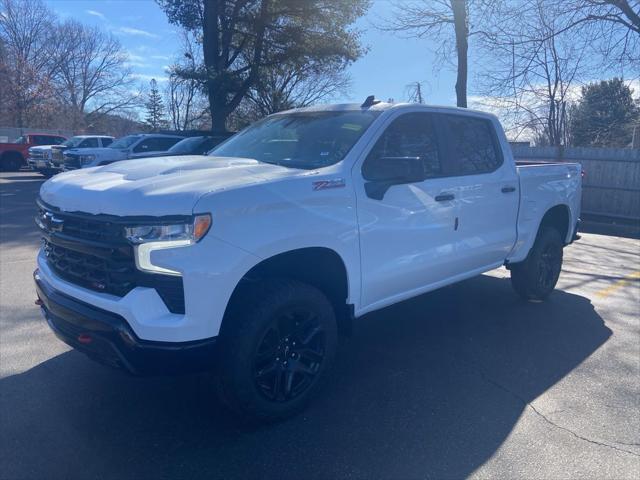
point(160, 57)
point(135, 58)
point(148, 78)
point(95, 13)
point(136, 32)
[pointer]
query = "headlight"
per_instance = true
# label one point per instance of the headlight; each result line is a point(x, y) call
point(84, 159)
point(148, 238)
point(191, 231)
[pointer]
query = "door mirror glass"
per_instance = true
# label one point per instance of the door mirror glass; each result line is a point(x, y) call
point(383, 172)
point(394, 169)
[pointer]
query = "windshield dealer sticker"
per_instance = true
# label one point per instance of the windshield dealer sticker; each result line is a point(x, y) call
point(327, 184)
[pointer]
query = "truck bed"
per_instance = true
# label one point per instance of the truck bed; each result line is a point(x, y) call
point(543, 185)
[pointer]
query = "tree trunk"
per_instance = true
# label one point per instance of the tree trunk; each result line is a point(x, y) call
point(462, 36)
point(218, 117)
point(213, 62)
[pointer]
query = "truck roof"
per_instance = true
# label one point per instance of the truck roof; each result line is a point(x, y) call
point(93, 136)
point(383, 106)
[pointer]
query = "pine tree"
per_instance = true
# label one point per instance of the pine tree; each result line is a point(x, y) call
point(605, 115)
point(155, 108)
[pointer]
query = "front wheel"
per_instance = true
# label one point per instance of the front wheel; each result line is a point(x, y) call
point(536, 277)
point(277, 350)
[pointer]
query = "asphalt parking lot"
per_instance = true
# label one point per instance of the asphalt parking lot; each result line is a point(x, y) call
point(467, 381)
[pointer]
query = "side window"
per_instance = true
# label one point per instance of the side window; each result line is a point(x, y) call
point(59, 140)
point(472, 144)
point(89, 143)
point(147, 145)
point(106, 141)
point(43, 140)
point(166, 143)
point(411, 135)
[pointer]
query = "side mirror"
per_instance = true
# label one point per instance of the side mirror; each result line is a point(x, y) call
point(384, 172)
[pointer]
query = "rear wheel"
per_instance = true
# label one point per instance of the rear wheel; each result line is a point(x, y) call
point(536, 277)
point(277, 351)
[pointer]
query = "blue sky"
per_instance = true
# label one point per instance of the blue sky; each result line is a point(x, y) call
point(389, 67)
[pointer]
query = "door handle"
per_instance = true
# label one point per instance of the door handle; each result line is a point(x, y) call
point(444, 197)
point(508, 189)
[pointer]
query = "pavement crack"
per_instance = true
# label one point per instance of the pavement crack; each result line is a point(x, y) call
point(545, 418)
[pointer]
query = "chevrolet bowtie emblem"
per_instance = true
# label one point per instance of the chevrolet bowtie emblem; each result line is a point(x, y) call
point(53, 223)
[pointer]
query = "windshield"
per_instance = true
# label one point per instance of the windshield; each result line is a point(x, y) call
point(187, 145)
point(72, 142)
point(125, 142)
point(299, 140)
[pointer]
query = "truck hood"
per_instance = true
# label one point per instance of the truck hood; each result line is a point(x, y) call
point(155, 186)
point(41, 148)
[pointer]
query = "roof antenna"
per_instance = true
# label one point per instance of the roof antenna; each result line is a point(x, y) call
point(370, 101)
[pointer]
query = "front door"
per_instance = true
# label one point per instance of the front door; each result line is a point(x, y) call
point(407, 239)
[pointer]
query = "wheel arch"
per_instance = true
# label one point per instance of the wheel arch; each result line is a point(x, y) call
point(559, 217)
point(320, 267)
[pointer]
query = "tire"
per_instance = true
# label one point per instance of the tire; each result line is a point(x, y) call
point(277, 350)
point(536, 277)
point(11, 162)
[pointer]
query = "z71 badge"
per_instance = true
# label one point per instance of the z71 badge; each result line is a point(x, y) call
point(327, 184)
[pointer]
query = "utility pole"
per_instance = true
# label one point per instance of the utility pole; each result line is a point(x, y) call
point(415, 92)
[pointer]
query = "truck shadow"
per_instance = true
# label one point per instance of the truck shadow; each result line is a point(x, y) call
point(428, 388)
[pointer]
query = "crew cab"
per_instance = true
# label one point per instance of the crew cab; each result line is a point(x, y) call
point(129, 147)
point(254, 258)
point(48, 160)
point(13, 156)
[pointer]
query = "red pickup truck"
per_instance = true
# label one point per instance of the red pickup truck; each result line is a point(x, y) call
point(14, 155)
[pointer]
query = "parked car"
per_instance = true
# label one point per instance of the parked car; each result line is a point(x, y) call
point(255, 258)
point(13, 156)
point(49, 160)
point(125, 148)
point(193, 146)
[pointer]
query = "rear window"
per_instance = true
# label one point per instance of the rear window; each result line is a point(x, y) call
point(473, 146)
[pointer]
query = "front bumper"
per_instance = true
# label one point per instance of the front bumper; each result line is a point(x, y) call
point(38, 164)
point(106, 337)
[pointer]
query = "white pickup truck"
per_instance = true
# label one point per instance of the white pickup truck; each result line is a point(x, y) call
point(253, 259)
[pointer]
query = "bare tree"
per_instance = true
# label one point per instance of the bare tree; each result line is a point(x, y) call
point(186, 103)
point(534, 73)
point(613, 27)
point(440, 21)
point(28, 64)
point(297, 85)
point(92, 77)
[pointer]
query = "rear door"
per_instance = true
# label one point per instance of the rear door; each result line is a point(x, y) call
point(486, 185)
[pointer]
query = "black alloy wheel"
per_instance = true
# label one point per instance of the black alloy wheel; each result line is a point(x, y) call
point(290, 355)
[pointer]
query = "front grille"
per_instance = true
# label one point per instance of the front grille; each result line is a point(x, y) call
point(37, 154)
point(114, 274)
point(91, 252)
point(57, 155)
point(71, 162)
